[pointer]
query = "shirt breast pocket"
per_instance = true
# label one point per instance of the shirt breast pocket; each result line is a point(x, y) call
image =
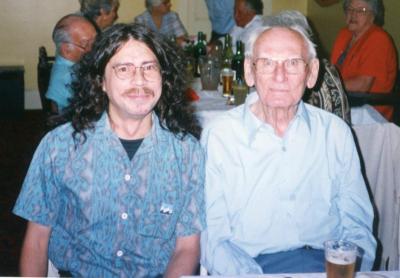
point(159, 221)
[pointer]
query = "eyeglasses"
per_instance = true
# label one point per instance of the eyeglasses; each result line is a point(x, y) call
point(85, 46)
point(150, 72)
point(358, 11)
point(268, 66)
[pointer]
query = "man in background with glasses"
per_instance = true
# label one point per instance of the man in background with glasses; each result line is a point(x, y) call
point(282, 176)
point(73, 36)
point(118, 191)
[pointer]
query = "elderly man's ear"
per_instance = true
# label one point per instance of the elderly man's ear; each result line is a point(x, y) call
point(248, 72)
point(312, 76)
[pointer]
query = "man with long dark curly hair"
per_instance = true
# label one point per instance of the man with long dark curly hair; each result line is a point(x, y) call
point(118, 191)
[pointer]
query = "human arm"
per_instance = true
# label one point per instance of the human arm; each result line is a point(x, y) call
point(185, 259)
point(178, 29)
point(353, 202)
point(360, 84)
point(53, 107)
point(218, 253)
point(33, 261)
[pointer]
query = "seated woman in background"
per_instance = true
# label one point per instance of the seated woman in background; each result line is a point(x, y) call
point(159, 18)
point(101, 13)
point(364, 53)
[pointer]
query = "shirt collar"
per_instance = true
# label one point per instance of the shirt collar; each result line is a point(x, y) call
point(253, 20)
point(253, 124)
point(156, 134)
point(61, 60)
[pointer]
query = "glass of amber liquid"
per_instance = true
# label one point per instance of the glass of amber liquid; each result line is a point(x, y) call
point(340, 258)
point(227, 81)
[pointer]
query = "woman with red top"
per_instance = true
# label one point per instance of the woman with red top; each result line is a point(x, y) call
point(364, 53)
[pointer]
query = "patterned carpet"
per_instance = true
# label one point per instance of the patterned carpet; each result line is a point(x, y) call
point(18, 141)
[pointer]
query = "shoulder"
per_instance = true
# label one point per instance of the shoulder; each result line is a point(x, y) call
point(169, 139)
point(172, 15)
point(327, 121)
point(142, 17)
point(378, 34)
point(225, 124)
point(57, 139)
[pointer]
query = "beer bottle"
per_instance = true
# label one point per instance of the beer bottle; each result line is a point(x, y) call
point(200, 50)
point(228, 52)
point(238, 61)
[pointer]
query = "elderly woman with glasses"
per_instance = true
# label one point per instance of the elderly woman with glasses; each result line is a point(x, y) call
point(159, 18)
point(364, 53)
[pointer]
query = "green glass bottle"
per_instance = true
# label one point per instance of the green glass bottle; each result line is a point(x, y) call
point(238, 61)
point(200, 50)
point(228, 52)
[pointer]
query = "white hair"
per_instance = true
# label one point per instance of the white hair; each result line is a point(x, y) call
point(292, 20)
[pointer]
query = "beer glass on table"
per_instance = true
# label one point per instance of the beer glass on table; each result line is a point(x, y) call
point(227, 81)
point(340, 258)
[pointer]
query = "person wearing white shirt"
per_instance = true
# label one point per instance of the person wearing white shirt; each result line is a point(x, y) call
point(248, 16)
point(282, 176)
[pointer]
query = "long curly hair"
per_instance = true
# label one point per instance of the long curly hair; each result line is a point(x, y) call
point(89, 102)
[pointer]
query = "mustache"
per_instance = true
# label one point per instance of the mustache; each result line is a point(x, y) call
point(139, 91)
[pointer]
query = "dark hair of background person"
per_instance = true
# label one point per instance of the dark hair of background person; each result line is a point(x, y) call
point(91, 9)
point(377, 8)
point(256, 5)
point(89, 101)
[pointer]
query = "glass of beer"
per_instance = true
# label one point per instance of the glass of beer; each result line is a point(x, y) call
point(340, 258)
point(227, 81)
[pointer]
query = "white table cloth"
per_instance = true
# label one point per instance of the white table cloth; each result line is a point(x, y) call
point(379, 143)
point(379, 274)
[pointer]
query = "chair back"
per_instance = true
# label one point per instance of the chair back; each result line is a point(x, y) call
point(44, 66)
point(329, 93)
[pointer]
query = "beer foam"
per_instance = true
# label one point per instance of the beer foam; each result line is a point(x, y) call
point(341, 257)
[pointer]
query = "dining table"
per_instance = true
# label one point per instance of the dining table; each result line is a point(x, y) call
point(378, 143)
point(372, 274)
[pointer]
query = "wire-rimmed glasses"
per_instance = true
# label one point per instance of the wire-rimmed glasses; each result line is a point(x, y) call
point(356, 11)
point(150, 71)
point(291, 66)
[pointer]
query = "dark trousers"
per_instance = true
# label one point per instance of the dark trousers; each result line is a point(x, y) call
point(303, 260)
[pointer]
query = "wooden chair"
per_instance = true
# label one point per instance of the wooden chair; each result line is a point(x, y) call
point(44, 66)
point(391, 99)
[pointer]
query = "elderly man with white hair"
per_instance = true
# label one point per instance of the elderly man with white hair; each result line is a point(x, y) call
point(159, 18)
point(282, 177)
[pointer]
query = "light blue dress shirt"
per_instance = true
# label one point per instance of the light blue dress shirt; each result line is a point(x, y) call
point(59, 89)
point(171, 24)
point(266, 194)
point(220, 13)
point(111, 216)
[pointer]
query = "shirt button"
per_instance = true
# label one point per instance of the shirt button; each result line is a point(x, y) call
point(120, 253)
point(127, 177)
point(124, 215)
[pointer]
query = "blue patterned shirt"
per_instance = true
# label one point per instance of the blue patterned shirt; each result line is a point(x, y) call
point(171, 24)
point(111, 216)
